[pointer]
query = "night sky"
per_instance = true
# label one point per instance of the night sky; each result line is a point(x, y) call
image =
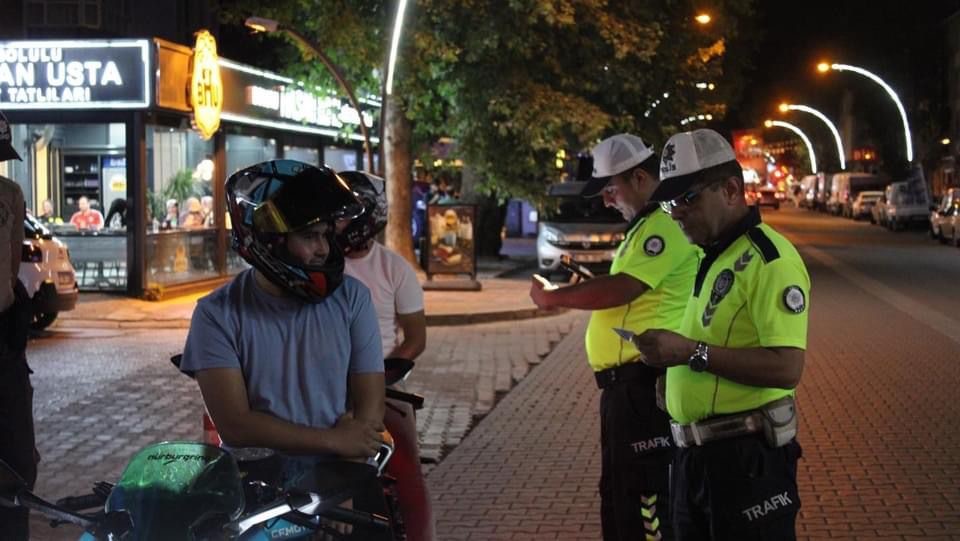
point(902, 41)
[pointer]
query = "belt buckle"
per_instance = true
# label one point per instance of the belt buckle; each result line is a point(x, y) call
point(679, 436)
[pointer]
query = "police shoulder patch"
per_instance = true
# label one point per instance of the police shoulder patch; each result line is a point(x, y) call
point(794, 299)
point(654, 245)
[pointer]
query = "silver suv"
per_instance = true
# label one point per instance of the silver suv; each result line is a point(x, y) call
point(583, 229)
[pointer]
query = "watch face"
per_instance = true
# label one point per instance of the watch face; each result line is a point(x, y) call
point(697, 362)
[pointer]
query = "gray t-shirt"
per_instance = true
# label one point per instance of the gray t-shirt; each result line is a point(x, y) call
point(295, 356)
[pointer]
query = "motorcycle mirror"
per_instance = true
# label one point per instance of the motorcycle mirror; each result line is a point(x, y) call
point(11, 483)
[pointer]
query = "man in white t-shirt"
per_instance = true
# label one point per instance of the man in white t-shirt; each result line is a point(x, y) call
point(398, 300)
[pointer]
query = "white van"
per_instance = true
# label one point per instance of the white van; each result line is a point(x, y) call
point(906, 203)
point(583, 229)
point(846, 186)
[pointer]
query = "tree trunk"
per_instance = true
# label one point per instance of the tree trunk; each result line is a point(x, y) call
point(399, 170)
point(490, 214)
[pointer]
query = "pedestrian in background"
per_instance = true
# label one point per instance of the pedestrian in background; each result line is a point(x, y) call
point(733, 368)
point(398, 299)
point(648, 286)
point(17, 444)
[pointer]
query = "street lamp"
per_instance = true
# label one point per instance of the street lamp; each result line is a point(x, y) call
point(784, 107)
point(824, 67)
point(803, 136)
point(261, 24)
point(703, 18)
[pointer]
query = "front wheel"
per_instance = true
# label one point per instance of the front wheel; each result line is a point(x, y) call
point(43, 320)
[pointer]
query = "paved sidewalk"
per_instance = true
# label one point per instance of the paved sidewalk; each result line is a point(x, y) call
point(499, 299)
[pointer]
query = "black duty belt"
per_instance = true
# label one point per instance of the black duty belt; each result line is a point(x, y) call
point(632, 371)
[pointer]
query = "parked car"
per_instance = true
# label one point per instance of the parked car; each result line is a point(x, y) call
point(863, 205)
point(583, 229)
point(824, 184)
point(878, 214)
point(950, 226)
point(951, 229)
point(47, 274)
point(808, 192)
point(845, 188)
point(949, 205)
point(907, 203)
point(767, 197)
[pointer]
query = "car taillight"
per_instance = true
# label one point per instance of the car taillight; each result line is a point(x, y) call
point(31, 254)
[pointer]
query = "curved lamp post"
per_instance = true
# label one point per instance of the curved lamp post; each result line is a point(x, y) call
point(260, 24)
point(824, 67)
point(784, 107)
point(803, 136)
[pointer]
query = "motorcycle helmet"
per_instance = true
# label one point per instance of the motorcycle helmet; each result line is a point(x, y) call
point(268, 201)
point(371, 191)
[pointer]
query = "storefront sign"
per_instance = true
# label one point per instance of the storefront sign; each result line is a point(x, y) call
point(302, 106)
point(74, 74)
point(206, 87)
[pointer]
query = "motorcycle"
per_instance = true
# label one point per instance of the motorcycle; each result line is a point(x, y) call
point(190, 490)
point(396, 370)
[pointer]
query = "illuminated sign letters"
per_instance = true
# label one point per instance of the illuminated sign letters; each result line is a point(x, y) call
point(74, 74)
point(206, 86)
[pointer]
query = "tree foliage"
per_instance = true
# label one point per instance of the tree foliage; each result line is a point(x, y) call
point(513, 82)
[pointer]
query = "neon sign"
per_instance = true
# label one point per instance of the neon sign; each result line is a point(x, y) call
point(74, 74)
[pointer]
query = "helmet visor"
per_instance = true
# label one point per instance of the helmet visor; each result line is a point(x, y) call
point(286, 195)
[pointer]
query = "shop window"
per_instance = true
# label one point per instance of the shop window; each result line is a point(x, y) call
point(73, 175)
point(244, 151)
point(302, 154)
point(181, 233)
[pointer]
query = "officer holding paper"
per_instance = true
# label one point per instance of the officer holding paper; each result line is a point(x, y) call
point(733, 368)
point(648, 287)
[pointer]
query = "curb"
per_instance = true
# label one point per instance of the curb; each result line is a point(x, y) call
point(436, 320)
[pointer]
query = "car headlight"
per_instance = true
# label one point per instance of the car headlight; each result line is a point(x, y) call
point(552, 235)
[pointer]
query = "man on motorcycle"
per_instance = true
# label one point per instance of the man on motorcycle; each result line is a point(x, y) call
point(276, 349)
point(398, 299)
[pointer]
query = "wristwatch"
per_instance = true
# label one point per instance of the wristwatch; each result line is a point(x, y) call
point(700, 359)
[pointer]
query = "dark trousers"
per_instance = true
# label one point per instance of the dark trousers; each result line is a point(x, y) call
point(16, 410)
point(740, 488)
point(636, 452)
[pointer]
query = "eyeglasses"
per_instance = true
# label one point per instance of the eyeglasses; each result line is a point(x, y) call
point(689, 197)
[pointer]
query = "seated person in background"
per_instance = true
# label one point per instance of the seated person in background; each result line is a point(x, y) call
point(398, 300)
point(47, 215)
point(173, 215)
point(193, 217)
point(87, 218)
point(117, 215)
point(207, 203)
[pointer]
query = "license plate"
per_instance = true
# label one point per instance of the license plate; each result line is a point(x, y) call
point(65, 278)
point(588, 258)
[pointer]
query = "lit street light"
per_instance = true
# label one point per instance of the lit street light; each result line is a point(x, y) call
point(703, 18)
point(260, 24)
point(824, 67)
point(784, 107)
point(799, 132)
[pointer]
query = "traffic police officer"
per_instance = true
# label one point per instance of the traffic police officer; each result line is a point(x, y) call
point(648, 286)
point(733, 368)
